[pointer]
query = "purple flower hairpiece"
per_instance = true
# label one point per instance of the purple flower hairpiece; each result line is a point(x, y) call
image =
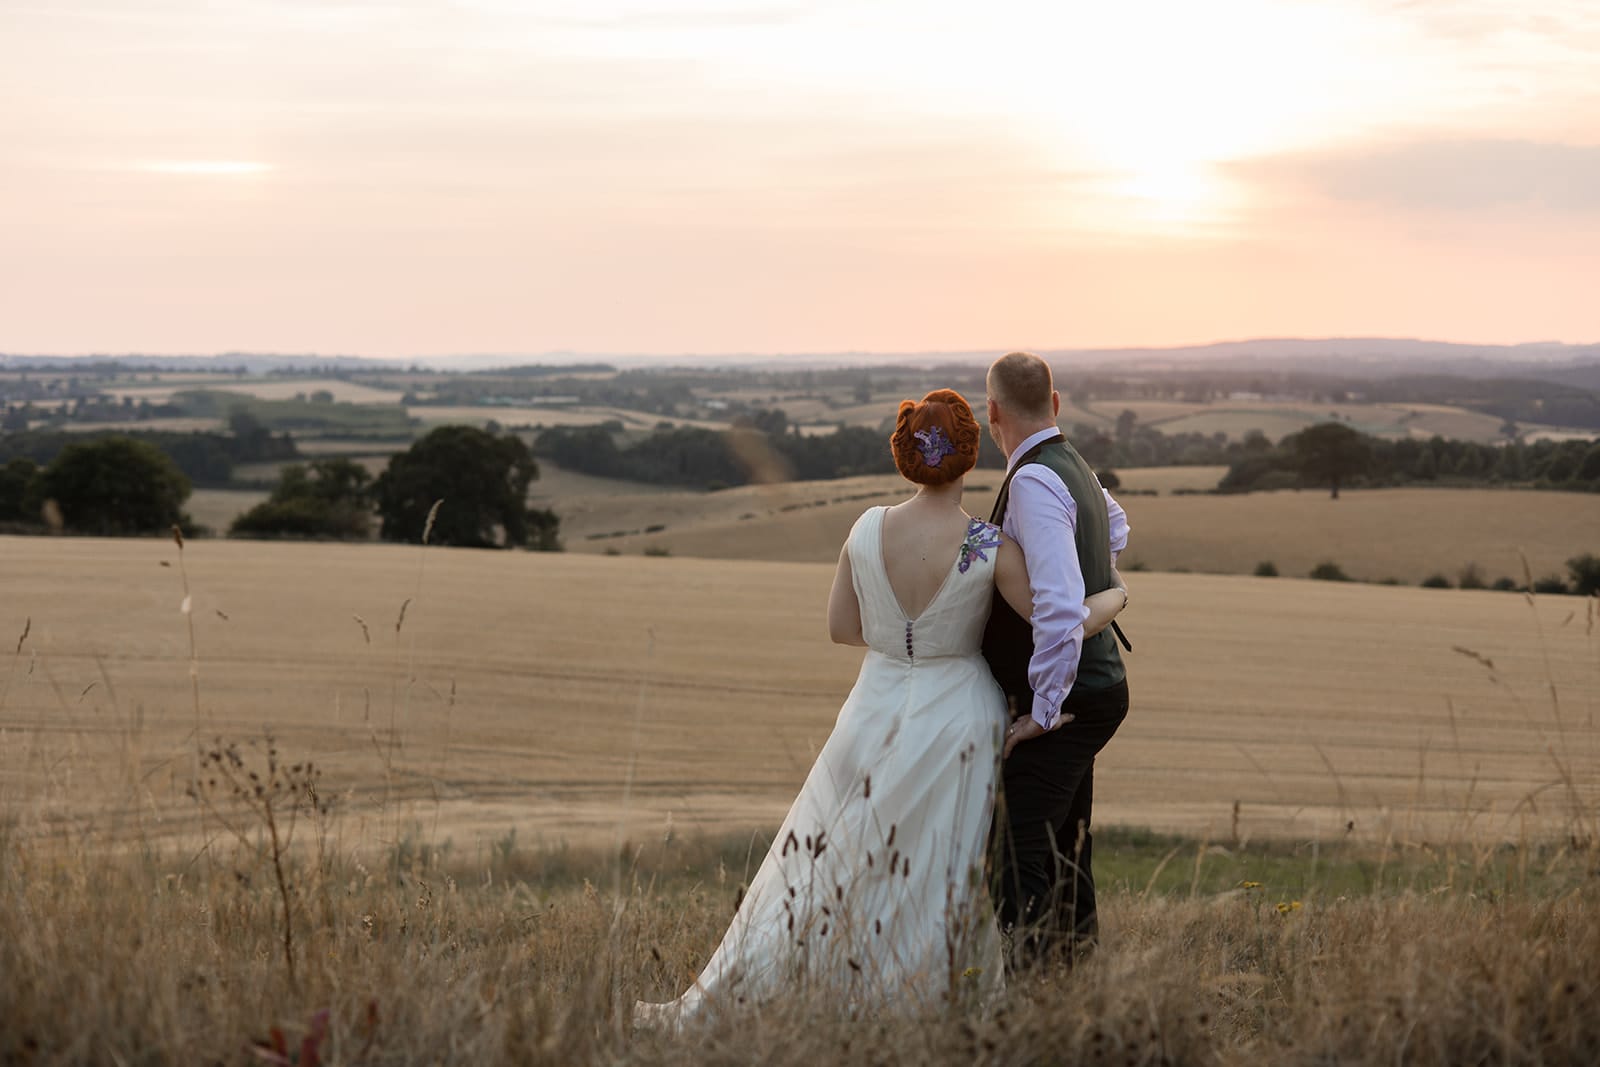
point(935, 445)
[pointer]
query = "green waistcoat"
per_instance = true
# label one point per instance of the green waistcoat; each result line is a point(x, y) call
point(1008, 640)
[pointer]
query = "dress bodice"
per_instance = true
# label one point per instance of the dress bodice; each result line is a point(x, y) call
point(952, 623)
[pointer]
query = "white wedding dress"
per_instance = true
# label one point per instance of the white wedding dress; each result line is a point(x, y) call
point(873, 894)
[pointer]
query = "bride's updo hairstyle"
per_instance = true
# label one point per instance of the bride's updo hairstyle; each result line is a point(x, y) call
point(935, 440)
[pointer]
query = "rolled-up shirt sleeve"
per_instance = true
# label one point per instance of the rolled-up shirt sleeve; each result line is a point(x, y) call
point(1042, 519)
point(1119, 526)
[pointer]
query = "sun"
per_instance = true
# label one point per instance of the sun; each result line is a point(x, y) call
point(1151, 124)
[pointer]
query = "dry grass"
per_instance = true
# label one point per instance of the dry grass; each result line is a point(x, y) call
point(175, 959)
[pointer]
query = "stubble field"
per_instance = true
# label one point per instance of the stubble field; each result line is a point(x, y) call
point(592, 698)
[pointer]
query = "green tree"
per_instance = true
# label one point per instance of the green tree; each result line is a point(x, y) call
point(482, 479)
point(1331, 453)
point(1589, 468)
point(116, 486)
point(328, 498)
point(19, 490)
point(1585, 571)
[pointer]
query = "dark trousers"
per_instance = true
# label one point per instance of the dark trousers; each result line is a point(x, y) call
point(1043, 878)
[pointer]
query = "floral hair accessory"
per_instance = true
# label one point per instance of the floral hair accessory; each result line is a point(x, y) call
point(935, 445)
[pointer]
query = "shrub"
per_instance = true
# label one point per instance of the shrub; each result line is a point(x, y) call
point(1471, 577)
point(1585, 571)
point(1436, 581)
point(1329, 571)
point(329, 498)
point(1273, 481)
point(1266, 569)
point(1550, 583)
point(1505, 585)
point(657, 550)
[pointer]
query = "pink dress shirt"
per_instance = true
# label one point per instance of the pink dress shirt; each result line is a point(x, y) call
point(1042, 518)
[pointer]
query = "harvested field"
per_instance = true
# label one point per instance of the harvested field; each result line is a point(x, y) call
point(1374, 534)
point(1166, 479)
point(260, 388)
point(179, 424)
point(547, 416)
point(1277, 418)
point(582, 697)
point(318, 447)
point(216, 509)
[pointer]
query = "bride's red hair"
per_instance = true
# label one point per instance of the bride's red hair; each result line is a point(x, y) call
point(935, 440)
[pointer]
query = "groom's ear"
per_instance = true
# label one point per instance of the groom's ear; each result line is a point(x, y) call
point(994, 410)
point(1055, 403)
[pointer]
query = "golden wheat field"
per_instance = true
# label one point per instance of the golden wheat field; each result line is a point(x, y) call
point(590, 697)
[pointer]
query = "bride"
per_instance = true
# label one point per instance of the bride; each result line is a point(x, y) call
point(873, 893)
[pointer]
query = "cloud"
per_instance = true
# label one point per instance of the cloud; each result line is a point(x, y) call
point(1449, 175)
point(205, 168)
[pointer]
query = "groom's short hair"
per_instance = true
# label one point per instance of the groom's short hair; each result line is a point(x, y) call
point(1020, 383)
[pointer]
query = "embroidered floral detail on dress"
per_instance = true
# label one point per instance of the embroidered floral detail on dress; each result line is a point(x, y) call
point(980, 535)
point(935, 445)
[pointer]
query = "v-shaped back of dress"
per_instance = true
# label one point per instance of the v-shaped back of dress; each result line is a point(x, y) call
point(952, 623)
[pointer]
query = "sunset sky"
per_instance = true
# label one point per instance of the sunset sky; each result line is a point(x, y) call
point(421, 177)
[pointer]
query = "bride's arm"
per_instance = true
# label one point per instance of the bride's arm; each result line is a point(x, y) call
point(1011, 578)
point(844, 610)
point(1106, 605)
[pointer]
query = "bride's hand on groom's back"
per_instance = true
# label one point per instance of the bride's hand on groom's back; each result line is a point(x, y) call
point(1026, 729)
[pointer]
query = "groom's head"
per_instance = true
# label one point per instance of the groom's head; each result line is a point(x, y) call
point(1022, 399)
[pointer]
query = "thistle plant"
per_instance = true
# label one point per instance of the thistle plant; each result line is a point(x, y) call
point(263, 789)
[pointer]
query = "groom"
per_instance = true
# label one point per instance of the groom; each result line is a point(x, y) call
point(1069, 694)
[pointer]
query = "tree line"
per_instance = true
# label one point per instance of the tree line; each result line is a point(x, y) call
point(205, 458)
point(1332, 455)
point(119, 485)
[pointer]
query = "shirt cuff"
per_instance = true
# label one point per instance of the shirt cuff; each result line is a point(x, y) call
point(1047, 711)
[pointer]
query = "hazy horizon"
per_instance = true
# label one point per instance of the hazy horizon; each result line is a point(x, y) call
point(1284, 350)
point(404, 180)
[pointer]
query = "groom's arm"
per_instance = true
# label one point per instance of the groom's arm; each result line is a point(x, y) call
point(1045, 517)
